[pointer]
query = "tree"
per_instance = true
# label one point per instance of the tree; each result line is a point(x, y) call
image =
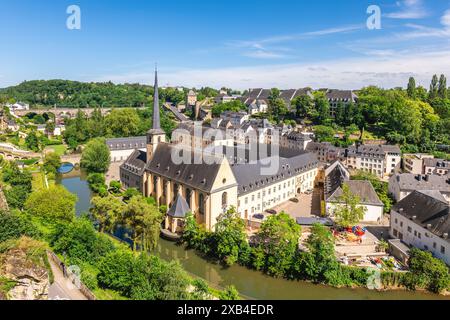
point(324, 133)
point(52, 162)
point(32, 141)
point(303, 106)
point(106, 211)
point(122, 123)
point(434, 87)
point(411, 88)
point(52, 204)
point(230, 236)
point(97, 183)
point(50, 127)
point(80, 242)
point(322, 108)
point(145, 222)
point(96, 156)
point(321, 256)
point(13, 226)
point(427, 272)
point(235, 105)
point(348, 210)
point(115, 187)
point(117, 272)
point(230, 293)
point(442, 87)
point(277, 241)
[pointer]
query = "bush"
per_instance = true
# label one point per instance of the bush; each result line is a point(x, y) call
point(15, 226)
point(97, 183)
point(81, 242)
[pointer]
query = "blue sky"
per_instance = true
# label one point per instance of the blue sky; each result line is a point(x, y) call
point(239, 44)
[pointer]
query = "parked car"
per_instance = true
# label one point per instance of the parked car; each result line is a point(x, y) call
point(308, 192)
point(259, 216)
point(271, 211)
point(295, 200)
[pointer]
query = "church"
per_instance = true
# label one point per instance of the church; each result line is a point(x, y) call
point(218, 182)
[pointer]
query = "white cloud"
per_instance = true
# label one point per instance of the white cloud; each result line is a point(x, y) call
point(263, 48)
point(343, 74)
point(409, 9)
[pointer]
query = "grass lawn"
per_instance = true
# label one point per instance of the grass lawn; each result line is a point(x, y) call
point(38, 182)
point(60, 149)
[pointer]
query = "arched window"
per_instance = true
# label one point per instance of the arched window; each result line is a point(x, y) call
point(224, 200)
point(201, 203)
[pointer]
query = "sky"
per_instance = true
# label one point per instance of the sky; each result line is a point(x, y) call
point(226, 43)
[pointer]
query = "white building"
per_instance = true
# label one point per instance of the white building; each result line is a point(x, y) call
point(368, 199)
point(381, 160)
point(122, 148)
point(18, 106)
point(422, 220)
point(402, 185)
point(413, 163)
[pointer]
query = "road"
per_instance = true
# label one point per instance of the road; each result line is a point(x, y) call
point(62, 288)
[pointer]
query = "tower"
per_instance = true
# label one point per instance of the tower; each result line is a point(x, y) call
point(155, 135)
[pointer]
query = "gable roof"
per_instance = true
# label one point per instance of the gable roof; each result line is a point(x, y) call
point(198, 176)
point(363, 189)
point(409, 181)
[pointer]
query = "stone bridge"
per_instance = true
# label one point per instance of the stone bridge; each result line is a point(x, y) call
point(71, 158)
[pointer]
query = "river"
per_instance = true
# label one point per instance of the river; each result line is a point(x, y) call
point(251, 284)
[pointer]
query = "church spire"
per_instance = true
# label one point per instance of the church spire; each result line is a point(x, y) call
point(156, 116)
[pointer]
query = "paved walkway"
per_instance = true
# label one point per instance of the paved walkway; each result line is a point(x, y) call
point(62, 288)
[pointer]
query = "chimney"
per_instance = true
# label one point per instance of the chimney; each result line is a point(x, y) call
point(427, 178)
point(429, 226)
point(445, 236)
point(414, 217)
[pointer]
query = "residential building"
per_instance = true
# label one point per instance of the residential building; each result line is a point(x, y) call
point(295, 140)
point(381, 160)
point(374, 208)
point(122, 148)
point(422, 220)
point(402, 185)
point(336, 97)
point(414, 163)
point(18, 106)
point(436, 166)
point(258, 106)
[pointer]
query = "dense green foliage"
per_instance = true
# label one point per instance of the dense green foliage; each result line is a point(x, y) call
point(143, 277)
point(73, 94)
point(235, 105)
point(19, 185)
point(96, 156)
point(52, 204)
point(52, 162)
point(14, 226)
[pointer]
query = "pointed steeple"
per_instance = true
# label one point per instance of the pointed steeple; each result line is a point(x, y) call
point(156, 116)
point(156, 135)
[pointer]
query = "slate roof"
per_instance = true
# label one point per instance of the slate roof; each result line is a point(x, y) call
point(136, 162)
point(438, 163)
point(363, 189)
point(335, 178)
point(180, 208)
point(341, 95)
point(198, 176)
point(250, 177)
point(409, 181)
point(427, 211)
point(127, 143)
